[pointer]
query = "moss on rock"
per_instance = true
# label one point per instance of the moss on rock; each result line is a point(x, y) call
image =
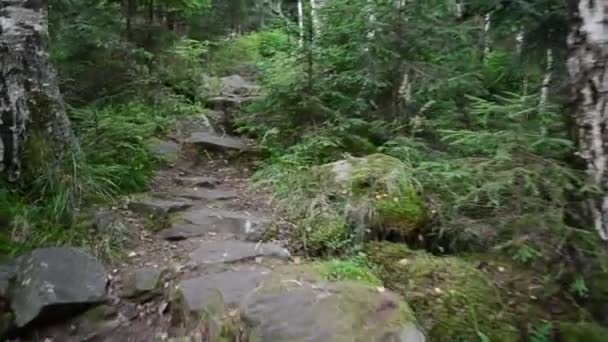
point(452, 299)
point(377, 191)
point(582, 332)
point(331, 311)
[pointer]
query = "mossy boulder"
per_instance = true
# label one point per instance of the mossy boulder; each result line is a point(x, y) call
point(327, 311)
point(379, 193)
point(322, 301)
point(452, 299)
point(582, 332)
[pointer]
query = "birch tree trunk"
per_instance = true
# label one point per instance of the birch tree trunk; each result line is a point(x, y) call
point(314, 17)
point(588, 67)
point(301, 22)
point(30, 102)
point(547, 79)
point(486, 40)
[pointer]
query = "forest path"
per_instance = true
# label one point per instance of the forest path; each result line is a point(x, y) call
point(199, 268)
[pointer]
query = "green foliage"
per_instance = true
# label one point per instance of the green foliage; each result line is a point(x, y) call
point(249, 50)
point(542, 333)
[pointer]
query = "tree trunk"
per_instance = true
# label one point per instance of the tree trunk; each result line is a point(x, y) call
point(129, 17)
point(588, 67)
point(485, 39)
point(150, 12)
point(30, 102)
point(301, 22)
point(547, 79)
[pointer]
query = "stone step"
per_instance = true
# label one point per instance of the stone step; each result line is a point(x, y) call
point(201, 194)
point(197, 181)
point(210, 293)
point(229, 251)
point(198, 222)
point(156, 204)
point(210, 140)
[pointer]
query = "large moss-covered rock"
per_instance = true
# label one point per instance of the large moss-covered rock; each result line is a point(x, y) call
point(378, 192)
point(326, 311)
point(582, 332)
point(452, 299)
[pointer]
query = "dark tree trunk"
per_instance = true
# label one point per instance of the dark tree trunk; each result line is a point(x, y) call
point(30, 102)
point(150, 12)
point(129, 17)
point(588, 66)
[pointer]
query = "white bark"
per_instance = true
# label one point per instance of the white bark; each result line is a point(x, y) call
point(588, 67)
point(314, 16)
point(544, 91)
point(29, 96)
point(459, 6)
point(301, 22)
point(372, 19)
point(486, 42)
point(519, 41)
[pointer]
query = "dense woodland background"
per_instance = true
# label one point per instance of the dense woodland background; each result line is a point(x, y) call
point(473, 97)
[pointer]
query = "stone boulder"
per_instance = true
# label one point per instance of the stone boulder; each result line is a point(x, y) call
point(56, 281)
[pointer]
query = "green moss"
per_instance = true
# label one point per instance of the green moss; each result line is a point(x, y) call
point(336, 270)
point(582, 332)
point(452, 299)
point(598, 292)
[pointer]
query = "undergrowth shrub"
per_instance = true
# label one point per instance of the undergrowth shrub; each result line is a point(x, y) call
point(113, 159)
point(249, 50)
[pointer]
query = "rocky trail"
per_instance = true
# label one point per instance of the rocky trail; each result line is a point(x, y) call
point(196, 268)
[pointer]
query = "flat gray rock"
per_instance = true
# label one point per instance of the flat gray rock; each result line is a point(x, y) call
point(216, 141)
point(142, 283)
point(226, 289)
point(187, 125)
point(213, 252)
point(198, 181)
point(51, 278)
point(112, 225)
point(164, 150)
point(206, 195)
point(236, 85)
point(146, 204)
point(198, 222)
